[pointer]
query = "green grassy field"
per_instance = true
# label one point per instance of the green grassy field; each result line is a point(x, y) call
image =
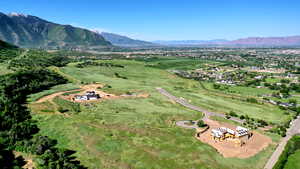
point(221, 102)
point(140, 132)
point(293, 161)
point(178, 63)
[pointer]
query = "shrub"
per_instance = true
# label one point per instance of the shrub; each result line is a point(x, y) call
point(216, 86)
point(251, 100)
point(233, 114)
point(201, 123)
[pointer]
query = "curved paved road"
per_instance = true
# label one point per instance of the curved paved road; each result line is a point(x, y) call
point(196, 108)
point(294, 129)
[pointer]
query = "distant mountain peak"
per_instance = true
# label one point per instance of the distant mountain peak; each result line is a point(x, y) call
point(17, 14)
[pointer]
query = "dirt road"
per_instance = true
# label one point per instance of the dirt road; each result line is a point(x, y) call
point(196, 108)
point(294, 129)
point(183, 124)
point(50, 97)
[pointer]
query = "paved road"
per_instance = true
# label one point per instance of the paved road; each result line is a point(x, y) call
point(196, 108)
point(294, 129)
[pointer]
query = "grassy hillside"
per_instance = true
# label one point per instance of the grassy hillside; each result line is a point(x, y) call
point(293, 161)
point(140, 132)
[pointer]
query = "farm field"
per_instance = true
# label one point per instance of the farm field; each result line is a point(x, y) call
point(134, 132)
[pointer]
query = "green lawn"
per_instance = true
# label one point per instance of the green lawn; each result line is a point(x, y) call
point(140, 132)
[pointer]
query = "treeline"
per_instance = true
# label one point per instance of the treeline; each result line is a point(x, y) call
point(291, 147)
point(91, 63)
point(19, 132)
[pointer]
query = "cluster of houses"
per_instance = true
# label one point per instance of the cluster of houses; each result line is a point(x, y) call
point(282, 104)
point(89, 95)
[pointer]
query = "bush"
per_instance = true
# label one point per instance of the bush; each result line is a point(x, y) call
point(251, 100)
point(216, 86)
point(233, 114)
point(201, 123)
point(227, 116)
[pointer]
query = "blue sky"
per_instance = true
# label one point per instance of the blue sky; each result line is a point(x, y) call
point(170, 19)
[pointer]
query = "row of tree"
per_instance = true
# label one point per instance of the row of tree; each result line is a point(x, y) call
point(19, 132)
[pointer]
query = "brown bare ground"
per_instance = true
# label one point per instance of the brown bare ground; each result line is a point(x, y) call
point(228, 148)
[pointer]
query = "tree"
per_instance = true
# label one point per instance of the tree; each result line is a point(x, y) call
point(8, 159)
point(216, 86)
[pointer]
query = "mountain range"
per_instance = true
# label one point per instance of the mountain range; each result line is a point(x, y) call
point(189, 42)
point(31, 31)
point(288, 41)
point(34, 32)
point(267, 41)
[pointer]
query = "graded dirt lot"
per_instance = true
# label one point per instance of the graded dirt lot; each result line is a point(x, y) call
point(228, 148)
point(83, 89)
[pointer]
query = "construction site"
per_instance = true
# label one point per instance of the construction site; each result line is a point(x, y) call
point(233, 141)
